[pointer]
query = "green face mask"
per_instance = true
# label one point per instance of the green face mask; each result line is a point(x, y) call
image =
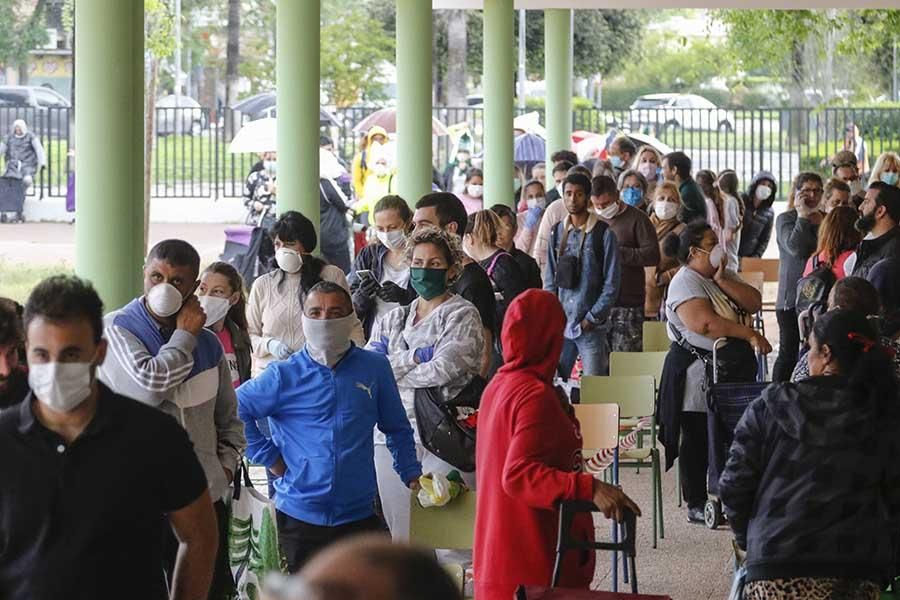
point(428, 283)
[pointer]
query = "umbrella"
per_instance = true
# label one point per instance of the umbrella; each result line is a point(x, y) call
point(529, 147)
point(256, 107)
point(530, 123)
point(256, 136)
point(387, 118)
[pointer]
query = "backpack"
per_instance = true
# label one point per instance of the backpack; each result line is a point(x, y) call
point(815, 287)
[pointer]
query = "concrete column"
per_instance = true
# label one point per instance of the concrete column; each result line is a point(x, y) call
point(499, 89)
point(297, 83)
point(109, 137)
point(414, 150)
point(558, 75)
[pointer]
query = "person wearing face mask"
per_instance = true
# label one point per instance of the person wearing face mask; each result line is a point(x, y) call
point(638, 249)
point(386, 286)
point(454, 179)
point(797, 237)
point(322, 405)
point(103, 471)
point(844, 167)
point(648, 162)
point(759, 218)
point(362, 162)
point(878, 221)
point(379, 179)
point(276, 299)
point(434, 342)
point(666, 203)
point(584, 271)
point(473, 197)
point(705, 302)
point(621, 154)
point(23, 153)
point(162, 355)
point(886, 169)
point(633, 189)
point(531, 210)
point(221, 294)
point(13, 372)
point(506, 240)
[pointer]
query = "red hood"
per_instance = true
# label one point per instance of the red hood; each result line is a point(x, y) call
point(533, 334)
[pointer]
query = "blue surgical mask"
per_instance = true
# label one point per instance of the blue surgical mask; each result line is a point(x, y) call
point(616, 161)
point(632, 196)
point(890, 178)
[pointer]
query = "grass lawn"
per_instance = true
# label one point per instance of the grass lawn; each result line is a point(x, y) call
point(17, 279)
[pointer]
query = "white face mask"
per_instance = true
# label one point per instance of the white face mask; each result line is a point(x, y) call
point(610, 211)
point(271, 166)
point(540, 202)
point(60, 386)
point(715, 256)
point(855, 187)
point(164, 300)
point(475, 191)
point(288, 260)
point(216, 308)
point(763, 192)
point(665, 210)
point(648, 170)
point(391, 239)
point(327, 340)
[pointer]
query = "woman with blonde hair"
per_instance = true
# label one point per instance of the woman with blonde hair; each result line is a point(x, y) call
point(648, 162)
point(664, 216)
point(886, 169)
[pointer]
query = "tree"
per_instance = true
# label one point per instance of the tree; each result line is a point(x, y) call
point(232, 58)
point(457, 48)
point(159, 42)
point(21, 30)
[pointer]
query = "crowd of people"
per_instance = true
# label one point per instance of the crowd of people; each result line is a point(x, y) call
point(124, 431)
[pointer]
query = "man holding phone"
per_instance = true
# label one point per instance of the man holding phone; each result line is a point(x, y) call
point(160, 354)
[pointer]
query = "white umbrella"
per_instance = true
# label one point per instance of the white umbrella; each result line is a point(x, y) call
point(256, 136)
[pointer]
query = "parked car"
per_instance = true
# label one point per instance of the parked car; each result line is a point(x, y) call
point(188, 118)
point(658, 112)
point(44, 110)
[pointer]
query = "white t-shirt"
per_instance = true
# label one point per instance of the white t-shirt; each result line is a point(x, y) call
point(688, 284)
point(400, 276)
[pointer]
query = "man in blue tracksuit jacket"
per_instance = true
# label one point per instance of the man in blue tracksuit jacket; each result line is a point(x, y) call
point(322, 405)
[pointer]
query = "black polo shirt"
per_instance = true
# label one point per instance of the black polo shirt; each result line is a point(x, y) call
point(85, 520)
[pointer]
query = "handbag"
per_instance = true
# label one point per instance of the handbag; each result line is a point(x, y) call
point(440, 429)
point(252, 536)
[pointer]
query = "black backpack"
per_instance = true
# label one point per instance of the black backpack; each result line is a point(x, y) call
point(815, 287)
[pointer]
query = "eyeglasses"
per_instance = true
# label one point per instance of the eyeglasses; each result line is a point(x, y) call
point(814, 191)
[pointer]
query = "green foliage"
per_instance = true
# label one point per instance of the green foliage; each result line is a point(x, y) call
point(159, 28)
point(669, 63)
point(354, 49)
point(538, 103)
point(21, 29)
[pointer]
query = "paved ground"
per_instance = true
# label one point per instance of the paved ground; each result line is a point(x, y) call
point(54, 243)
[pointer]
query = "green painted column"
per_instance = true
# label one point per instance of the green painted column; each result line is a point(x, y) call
point(414, 154)
point(297, 84)
point(558, 75)
point(499, 89)
point(109, 138)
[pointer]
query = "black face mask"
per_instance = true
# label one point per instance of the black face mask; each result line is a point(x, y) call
point(865, 223)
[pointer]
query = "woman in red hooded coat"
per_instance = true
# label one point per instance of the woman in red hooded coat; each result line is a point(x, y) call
point(529, 459)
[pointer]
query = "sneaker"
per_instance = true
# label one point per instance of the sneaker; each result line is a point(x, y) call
point(695, 515)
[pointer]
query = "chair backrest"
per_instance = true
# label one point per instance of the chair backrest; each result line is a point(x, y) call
point(634, 394)
point(767, 266)
point(637, 363)
point(450, 527)
point(599, 425)
point(755, 278)
point(656, 338)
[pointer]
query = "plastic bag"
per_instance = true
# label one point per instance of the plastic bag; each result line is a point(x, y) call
point(439, 490)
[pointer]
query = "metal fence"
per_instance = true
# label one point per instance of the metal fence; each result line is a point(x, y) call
point(191, 157)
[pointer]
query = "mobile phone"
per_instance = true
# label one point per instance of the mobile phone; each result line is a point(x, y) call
point(365, 274)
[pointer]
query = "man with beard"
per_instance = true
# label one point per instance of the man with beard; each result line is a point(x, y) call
point(13, 374)
point(879, 216)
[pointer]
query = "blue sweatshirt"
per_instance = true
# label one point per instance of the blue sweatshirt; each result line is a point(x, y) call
point(322, 422)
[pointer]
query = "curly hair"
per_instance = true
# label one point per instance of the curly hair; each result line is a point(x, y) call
point(448, 243)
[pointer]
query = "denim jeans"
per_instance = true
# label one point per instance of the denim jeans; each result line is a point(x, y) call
point(593, 348)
